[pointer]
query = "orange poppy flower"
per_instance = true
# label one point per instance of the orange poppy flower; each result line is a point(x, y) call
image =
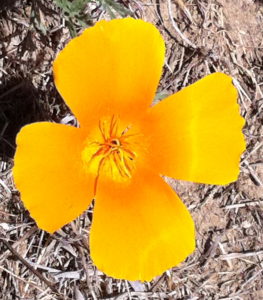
point(108, 76)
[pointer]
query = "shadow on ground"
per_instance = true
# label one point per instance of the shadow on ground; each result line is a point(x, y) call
point(19, 106)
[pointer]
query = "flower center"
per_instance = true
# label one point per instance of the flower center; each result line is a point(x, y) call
point(110, 152)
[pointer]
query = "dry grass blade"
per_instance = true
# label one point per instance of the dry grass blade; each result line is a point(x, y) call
point(32, 269)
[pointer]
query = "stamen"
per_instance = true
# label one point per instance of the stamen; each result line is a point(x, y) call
point(102, 130)
point(131, 154)
point(126, 130)
point(113, 126)
point(113, 153)
point(101, 163)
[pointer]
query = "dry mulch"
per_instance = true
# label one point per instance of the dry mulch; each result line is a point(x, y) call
point(202, 36)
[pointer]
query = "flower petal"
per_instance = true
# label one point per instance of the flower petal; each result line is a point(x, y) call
point(49, 175)
point(114, 67)
point(196, 134)
point(139, 229)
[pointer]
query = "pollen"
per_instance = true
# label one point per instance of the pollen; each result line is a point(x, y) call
point(110, 151)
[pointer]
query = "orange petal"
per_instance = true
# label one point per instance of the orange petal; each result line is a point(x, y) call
point(49, 175)
point(113, 67)
point(196, 134)
point(139, 229)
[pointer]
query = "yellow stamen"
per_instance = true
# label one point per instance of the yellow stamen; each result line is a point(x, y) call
point(113, 154)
